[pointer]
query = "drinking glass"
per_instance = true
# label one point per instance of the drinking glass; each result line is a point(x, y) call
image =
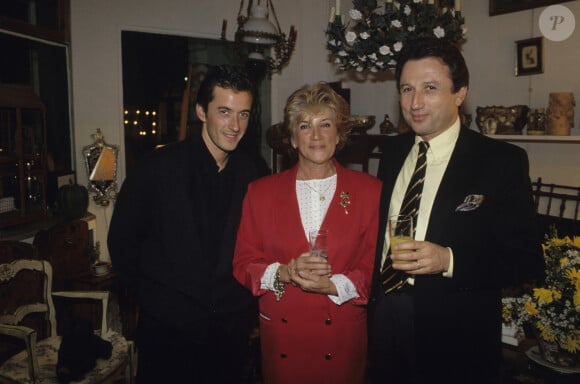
point(319, 242)
point(400, 231)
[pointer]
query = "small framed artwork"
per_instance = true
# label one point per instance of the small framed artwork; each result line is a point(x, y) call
point(529, 56)
point(499, 7)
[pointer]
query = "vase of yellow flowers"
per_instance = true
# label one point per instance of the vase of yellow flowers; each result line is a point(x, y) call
point(553, 310)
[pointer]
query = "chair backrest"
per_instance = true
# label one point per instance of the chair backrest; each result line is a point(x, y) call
point(558, 205)
point(13, 249)
point(65, 246)
point(26, 292)
point(556, 200)
point(359, 150)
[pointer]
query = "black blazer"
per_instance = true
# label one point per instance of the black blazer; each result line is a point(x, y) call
point(155, 246)
point(494, 246)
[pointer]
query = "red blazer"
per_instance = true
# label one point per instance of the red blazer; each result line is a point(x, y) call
point(305, 336)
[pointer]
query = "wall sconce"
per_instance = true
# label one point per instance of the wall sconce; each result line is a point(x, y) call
point(101, 163)
point(256, 29)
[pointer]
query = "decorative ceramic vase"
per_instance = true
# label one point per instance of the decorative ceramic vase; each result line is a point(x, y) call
point(560, 113)
point(502, 120)
point(387, 127)
point(73, 201)
point(553, 353)
point(537, 121)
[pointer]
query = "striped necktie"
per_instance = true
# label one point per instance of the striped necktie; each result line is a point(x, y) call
point(392, 279)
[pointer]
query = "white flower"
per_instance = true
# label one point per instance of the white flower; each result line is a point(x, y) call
point(364, 35)
point(350, 36)
point(463, 29)
point(337, 61)
point(332, 42)
point(392, 62)
point(398, 46)
point(411, 28)
point(439, 32)
point(407, 10)
point(396, 24)
point(374, 69)
point(385, 50)
point(355, 14)
point(417, 1)
point(359, 69)
point(342, 53)
point(373, 56)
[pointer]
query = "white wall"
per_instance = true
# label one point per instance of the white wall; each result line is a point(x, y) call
point(489, 51)
point(490, 55)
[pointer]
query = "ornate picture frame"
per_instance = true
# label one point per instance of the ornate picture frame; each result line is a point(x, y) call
point(530, 56)
point(499, 7)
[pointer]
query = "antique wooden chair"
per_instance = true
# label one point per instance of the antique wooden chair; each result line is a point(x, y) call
point(37, 362)
point(558, 205)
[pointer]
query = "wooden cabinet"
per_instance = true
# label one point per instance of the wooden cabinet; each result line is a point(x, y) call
point(22, 156)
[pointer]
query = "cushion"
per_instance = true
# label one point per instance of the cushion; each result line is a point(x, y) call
point(16, 368)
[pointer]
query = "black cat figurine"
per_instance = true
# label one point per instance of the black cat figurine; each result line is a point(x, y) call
point(79, 350)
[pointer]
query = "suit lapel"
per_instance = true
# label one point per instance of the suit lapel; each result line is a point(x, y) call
point(454, 184)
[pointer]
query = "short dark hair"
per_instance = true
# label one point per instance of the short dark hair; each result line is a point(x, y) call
point(223, 76)
point(444, 50)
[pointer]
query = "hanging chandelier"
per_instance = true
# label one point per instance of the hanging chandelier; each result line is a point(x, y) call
point(378, 30)
point(261, 34)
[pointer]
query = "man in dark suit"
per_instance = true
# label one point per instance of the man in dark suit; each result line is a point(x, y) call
point(172, 240)
point(475, 233)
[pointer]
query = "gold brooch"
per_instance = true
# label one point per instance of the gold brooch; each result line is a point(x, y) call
point(344, 201)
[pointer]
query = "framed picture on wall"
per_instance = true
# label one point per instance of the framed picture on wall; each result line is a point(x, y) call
point(529, 56)
point(498, 7)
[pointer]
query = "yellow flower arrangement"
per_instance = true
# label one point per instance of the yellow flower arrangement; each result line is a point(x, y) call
point(553, 309)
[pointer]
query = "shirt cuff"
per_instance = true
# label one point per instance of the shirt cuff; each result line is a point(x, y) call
point(345, 288)
point(449, 272)
point(267, 280)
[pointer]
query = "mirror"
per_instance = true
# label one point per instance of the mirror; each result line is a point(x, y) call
point(101, 164)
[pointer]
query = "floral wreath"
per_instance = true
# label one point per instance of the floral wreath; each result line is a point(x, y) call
point(375, 36)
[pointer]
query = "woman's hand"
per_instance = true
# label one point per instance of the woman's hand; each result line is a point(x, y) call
point(311, 274)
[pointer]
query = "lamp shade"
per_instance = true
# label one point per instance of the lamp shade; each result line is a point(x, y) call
point(258, 29)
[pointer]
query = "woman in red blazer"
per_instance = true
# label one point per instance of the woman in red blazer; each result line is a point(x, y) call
point(312, 309)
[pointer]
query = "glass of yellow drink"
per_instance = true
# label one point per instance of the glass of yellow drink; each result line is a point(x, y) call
point(400, 229)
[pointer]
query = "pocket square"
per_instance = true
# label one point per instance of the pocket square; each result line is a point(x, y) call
point(470, 203)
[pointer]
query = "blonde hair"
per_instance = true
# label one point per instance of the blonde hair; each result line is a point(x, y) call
point(310, 100)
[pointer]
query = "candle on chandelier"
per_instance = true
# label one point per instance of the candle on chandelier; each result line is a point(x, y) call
point(431, 2)
point(332, 14)
point(458, 5)
point(337, 7)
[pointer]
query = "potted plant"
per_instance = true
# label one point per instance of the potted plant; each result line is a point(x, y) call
point(552, 311)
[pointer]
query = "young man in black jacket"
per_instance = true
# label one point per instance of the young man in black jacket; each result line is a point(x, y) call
point(172, 239)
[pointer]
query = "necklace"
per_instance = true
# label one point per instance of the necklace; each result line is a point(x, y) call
point(319, 193)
